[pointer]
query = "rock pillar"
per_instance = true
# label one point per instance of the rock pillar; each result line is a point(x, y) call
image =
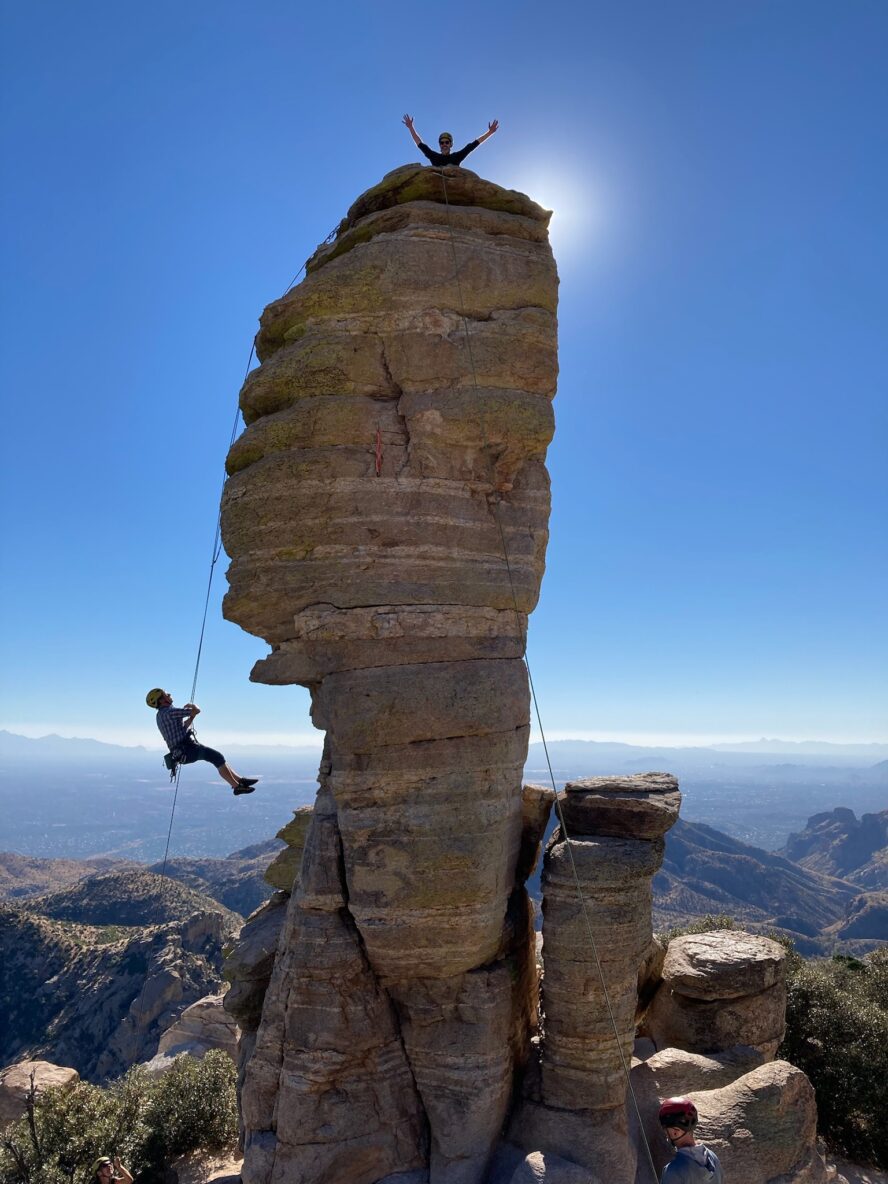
point(616, 827)
point(396, 435)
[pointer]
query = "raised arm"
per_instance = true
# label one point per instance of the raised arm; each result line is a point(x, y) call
point(408, 123)
point(192, 710)
point(491, 128)
point(120, 1172)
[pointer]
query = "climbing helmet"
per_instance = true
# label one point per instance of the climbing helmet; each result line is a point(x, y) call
point(154, 696)
point(680, 1112)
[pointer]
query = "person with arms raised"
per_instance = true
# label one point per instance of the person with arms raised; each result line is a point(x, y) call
point(445, 142)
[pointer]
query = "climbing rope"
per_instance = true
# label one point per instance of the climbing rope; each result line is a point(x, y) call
point(522, 636)
point(214, 557)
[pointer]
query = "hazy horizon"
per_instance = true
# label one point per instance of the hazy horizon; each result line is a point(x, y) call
point(314, 740)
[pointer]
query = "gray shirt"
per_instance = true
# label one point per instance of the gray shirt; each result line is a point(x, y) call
point(693, 1165)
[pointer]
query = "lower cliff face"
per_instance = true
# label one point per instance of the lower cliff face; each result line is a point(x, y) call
point(355, 1076)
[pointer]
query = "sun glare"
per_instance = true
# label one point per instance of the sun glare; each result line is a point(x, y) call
point(575, 205)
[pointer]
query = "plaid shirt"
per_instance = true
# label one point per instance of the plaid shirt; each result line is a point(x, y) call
point(170, 721)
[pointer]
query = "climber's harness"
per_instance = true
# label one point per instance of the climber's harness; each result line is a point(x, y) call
point(177, 756)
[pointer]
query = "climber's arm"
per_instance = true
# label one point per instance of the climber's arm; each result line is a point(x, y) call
point(408, 123)
point(491, 128)
point(120, 1172)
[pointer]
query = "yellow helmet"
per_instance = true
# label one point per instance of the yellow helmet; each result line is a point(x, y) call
point(154, 697)
point(103, 1159)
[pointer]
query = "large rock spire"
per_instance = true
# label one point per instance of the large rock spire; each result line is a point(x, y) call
point(386, 516)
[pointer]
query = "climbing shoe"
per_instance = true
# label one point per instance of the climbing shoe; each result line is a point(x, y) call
point(243, 786)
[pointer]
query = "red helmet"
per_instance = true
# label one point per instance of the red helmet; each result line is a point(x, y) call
point(680, 1112)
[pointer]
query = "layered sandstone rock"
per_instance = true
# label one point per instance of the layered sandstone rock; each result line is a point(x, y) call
point(719, 990)
point(577, 1110)
point(386, 516)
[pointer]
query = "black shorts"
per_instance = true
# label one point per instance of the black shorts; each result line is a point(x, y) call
point(191, 751)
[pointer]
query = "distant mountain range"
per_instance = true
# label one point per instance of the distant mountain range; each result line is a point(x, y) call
point(56, 747)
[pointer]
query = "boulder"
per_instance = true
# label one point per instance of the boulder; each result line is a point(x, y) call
point(203, 1026)
point(713, 1026)
point(542, 1168)
point(763, 1127)
point(719, 990)
point(640, 806)
point(726, 964)
point(199, 1167)
point(676, 1072)
point(15, 1085)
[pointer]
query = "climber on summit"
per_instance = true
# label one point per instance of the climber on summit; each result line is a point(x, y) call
point(445, 143)
point(175, 727)
point(694, 1162)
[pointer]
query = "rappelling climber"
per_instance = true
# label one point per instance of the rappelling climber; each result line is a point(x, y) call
point(445, 143)
point(694, 1162)
point(175, 727)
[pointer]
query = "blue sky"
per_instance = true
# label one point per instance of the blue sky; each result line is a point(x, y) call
point(717, 566)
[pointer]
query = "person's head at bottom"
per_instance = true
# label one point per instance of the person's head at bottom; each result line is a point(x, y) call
point(678, 1117)
point(102, 1171)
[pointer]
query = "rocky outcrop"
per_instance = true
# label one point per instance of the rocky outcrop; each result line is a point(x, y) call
point(386, 516)
point(676, 1071)
point(100, 1006)
point(591, 957)
point(719, 990)
point(283, 871)
point(716, 1021)
point(16, 1082)
point(838, 844)
point(763, 1126)
point(203, 1026)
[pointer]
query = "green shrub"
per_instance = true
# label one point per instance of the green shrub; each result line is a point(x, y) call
point(146, 1120)
point(706, 924)
point(195, 1107)
point(837, 1032)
